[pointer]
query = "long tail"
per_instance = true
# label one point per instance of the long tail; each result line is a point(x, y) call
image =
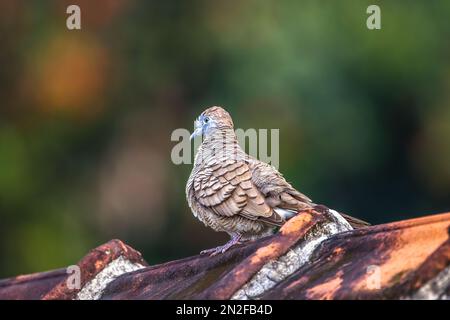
point(356, 223)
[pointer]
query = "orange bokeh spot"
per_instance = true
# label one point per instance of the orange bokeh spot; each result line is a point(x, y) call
point(69, 76)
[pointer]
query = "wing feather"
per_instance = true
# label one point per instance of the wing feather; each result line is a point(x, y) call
point(228, 190)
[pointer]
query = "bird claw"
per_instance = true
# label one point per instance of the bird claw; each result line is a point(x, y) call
point(221, 249)
point(212, 252)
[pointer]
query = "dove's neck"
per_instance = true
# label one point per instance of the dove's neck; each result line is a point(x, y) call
point(222, 135)
point(218, 146)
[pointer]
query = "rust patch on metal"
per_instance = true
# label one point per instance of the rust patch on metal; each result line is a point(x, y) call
point(327, 289)
point(295, 224)
point(30, 287)
point(428, 270)
point(263, 253)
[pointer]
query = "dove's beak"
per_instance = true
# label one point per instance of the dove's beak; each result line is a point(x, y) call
point(196, 133)
point(198, 130)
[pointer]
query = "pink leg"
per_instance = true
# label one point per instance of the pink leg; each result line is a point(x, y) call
point(221, 249)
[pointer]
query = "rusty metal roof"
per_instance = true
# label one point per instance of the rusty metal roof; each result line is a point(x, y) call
point(309, 258)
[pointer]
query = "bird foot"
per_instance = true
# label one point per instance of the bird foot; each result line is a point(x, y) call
point(221, 249)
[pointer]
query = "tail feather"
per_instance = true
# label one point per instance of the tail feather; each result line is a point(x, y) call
point(355, 222)
point(281, 215)
point(285, 213)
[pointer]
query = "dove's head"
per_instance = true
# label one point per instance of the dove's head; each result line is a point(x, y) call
point(212, 119)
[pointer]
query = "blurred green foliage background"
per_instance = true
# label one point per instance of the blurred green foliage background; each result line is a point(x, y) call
point(86, 116)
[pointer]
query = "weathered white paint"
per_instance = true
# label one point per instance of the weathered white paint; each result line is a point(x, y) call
point(435, 289)
point(93, 290)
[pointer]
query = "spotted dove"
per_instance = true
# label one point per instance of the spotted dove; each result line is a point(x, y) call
point(233, 192)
